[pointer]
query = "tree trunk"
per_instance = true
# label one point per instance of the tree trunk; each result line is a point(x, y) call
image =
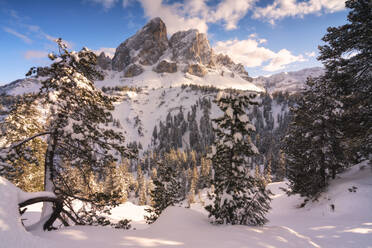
point(48, 173)
point(58, 205)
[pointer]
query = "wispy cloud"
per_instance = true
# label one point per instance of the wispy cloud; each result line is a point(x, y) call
point(106, 4)
point(280, 9)
point(310, 54)
point(196, 13)
point(34, 54)
point(23, 37)
point(251, 54)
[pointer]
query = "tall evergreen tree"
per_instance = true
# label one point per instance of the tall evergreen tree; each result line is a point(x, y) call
point(347, 57)
point(238, 198)
point(168, 190)
point(313, 144)
point(74, 127)
point(26, 169)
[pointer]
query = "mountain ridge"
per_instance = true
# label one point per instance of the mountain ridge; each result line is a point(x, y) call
point(149, 59)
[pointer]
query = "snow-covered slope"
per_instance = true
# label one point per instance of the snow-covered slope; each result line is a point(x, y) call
point(348, 225)
point(150, 79)
point(342, 216)
point(288, 81)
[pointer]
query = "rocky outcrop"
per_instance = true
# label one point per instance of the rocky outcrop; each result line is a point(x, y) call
point(188, 50)
point(165, 66)
point(197, 70)
point(239, 69)
point(104, 61)
point(145, 47)
point(191, 46)
point(133, 70)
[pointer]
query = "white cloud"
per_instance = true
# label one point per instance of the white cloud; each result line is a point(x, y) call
point(196, 13)
point(173, 16)
point(107, 4)
point(126, 3)
point(109, 51)
point(41, 34)
point(310, 54)
point(19, 35)
point(294, 8)
point(249, 53)
point(281, 59)
point(32, 54)
point(231, 11)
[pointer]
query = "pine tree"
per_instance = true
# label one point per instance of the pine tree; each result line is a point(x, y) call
point(27, 169)
point(79, 126)
point(193, 185)
point(281, 169)
point(238, 198)
point(268, 171)
point(205, 173)
point(313, 143)
point(141, 186)
point(347, 57)
point(168, 190)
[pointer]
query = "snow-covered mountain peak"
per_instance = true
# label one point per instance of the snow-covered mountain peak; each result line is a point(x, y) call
point(292, 81)
point(185, 54)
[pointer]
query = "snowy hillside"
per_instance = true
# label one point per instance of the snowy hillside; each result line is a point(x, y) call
point(288, 81)
point(347, 225)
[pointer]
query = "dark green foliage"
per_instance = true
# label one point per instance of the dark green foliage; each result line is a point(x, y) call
point(347, 56)
point(238, 197)
point(168, 188)
point(313, 144)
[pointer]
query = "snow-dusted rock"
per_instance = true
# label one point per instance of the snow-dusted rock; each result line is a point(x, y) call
point(133, 70)
point(145, 47)
point(165, 66)
point(191, 46)
point(104, 61)
point(197, 70)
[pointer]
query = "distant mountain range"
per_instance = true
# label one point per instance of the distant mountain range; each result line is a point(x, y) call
point(149, 59)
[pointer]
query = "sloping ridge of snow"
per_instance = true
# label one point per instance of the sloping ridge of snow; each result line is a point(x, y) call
point(316, 225)
point(12, 232)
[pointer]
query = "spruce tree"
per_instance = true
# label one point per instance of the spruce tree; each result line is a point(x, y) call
point(238, 198)
point(168, 190)
point(78, 128)
point(26, 170)
point(347, 57)
point(313, 143)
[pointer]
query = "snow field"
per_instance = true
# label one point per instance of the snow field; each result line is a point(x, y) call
point(348, 225)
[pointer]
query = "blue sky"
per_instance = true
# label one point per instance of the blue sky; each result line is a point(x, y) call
point(267, 36)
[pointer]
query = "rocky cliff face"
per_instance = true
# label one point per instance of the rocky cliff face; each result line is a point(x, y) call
point(145, 47)
point(104, 61)
point(187, 51)
point(191, 46)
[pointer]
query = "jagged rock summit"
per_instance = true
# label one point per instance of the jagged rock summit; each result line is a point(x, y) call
point(144, 48)
point(186, 51)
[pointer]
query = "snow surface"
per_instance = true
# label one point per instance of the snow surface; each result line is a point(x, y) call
point(349, 225)
point(288, 81)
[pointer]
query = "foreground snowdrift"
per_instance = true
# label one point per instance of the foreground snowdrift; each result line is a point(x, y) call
point(12, 232)
point(316, 225)
point(347, 224)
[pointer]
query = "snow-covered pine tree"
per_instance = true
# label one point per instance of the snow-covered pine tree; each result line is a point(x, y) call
point(78, 127)
point(281, 169)
point(347, 57)
point(238, 198)
point(168, 189)
point(313, 143)
point(27, 169)
point(141, 186)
